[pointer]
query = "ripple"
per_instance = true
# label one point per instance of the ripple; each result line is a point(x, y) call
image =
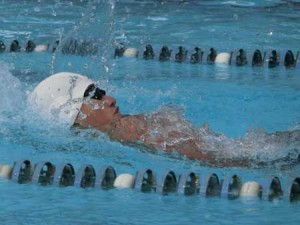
point(157, 18)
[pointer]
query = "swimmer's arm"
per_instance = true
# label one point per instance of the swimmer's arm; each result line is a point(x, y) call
point(192, 150)
point(133, 129)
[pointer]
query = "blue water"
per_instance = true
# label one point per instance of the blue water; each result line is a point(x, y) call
point(232, 100)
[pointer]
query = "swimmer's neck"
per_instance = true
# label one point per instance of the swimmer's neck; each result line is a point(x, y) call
point(123, 128)
point(129, 128)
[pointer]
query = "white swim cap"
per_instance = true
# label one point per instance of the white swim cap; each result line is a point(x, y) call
point(60, 96)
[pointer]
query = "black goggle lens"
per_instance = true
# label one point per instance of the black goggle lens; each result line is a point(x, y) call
point(94, 92)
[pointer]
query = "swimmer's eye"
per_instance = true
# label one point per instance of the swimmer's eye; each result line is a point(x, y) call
point(94, 92)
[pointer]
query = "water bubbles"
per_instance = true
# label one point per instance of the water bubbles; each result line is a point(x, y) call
point(97, 106)
point(82, 115)
point(93, 31)
point(112, 3)
point(9, 85)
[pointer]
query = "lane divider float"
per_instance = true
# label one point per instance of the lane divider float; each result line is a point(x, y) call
point(241, 57)
point(189, 183)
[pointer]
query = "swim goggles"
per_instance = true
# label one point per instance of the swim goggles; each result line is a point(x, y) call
point(94, 92)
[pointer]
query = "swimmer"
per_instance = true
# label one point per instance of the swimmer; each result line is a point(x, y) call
point(75, 100)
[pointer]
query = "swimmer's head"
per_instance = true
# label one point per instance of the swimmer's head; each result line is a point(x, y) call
point(60, 96)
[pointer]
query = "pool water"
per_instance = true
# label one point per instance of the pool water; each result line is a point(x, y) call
point(234, 101)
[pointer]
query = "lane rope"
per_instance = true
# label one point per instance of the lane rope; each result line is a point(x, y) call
point(230, 187)
point(179, 54)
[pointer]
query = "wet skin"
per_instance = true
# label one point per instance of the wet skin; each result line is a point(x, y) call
point(156, 132)
point(104, 115)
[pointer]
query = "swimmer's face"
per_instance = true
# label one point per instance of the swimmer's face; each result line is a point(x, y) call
point(98, 113)
point(98, 110)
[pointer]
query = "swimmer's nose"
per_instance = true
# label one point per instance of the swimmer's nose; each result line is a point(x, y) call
point(110, 101)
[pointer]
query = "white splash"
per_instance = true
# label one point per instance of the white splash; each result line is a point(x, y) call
point(10, 89)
